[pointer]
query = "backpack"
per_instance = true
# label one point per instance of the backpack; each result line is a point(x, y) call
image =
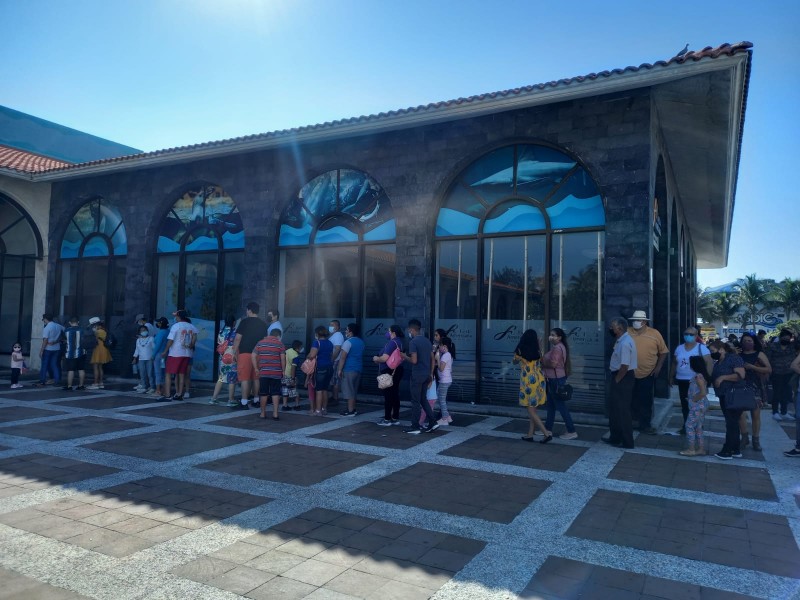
point(111, 340)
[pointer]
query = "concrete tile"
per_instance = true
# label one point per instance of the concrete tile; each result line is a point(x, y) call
point(241, 580)
point(239, 552)
point(275, 562)
point(314, 572)
point(204, 569)
point(357, 583)
point(398, 590)
point(162, 533)
point(305, 547)
point(283, 588)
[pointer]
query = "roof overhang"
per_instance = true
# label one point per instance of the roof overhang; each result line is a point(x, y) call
point(701, 119)
point(660, 74)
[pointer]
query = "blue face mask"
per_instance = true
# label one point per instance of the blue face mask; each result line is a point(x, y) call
point(143, 333)
point(688, 338)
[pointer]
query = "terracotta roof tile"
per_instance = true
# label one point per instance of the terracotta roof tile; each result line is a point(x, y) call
point(28, 162)
point(708, 52)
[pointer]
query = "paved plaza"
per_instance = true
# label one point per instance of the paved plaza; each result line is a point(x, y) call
point(105, 494)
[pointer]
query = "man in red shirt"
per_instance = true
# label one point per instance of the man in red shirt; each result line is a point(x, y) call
point(269, 361)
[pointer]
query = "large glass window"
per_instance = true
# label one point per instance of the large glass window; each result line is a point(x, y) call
point(505, 217)
point(335, 262)
point(20, 248)
point(200, 266)
point(91, 271)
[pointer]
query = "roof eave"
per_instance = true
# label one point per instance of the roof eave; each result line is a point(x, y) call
point(546, 94)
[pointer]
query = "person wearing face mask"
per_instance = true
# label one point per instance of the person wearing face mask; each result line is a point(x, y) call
point(781, 356)
point(756, 368)
point(336, 337)
point(143, 356)
point(651, 353)
point(682, 374)
point(727, 371)
point(391, 395)
point(100, 355)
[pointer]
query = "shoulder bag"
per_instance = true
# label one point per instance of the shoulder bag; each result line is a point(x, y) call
point(740, 397)
point(395, 358)
point(309, 366)
point(385, 380)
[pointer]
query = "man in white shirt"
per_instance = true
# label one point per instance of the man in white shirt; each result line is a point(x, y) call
point(180, 348)
point(622, 365)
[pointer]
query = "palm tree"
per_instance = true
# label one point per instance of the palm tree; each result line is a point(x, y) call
point(726, 306)
point(786, 295)
point(707, 305)
point(751, 293)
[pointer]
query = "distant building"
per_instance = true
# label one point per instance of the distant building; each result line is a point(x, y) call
point(559, 204)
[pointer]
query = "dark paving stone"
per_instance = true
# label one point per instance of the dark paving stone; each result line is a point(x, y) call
point(28, 472)
point(20, 586)
point(288, 421)
point(107, 402)
point(726, 536)
point(167, 444)
point(586, 433)
point(19, 413)
point(291, 463)
point(562, 578)
point(69, 429)
point(48, 393)
point(790, 429)
point(372, 435)
point(676, 443)
point(689, 474)
point(180, 411)
point(551, 457)
point(490, 496)
point(4, 448)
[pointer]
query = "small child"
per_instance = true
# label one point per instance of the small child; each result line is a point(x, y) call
point(17, 364)
point(289, 381)
point(143, 356)
point(698, 405)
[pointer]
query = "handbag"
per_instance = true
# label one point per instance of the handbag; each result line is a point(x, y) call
point(563, 392)
point(227, 356)
point(309, 366)
point(430, 394)
point(395, 358)
point(385, 381)
point(740, 398)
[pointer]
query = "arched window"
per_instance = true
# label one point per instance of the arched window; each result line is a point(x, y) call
point(91, 274)
point(337, 257)
point(20, 247)
point(519, 245)
point(200, 266)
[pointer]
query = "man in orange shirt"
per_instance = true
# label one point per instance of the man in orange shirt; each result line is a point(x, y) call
point(652, 352)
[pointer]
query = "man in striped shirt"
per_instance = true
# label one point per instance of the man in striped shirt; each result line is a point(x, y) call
point(269, 361)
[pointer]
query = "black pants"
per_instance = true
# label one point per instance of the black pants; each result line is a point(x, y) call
point(683, 394)
point(391, 396)
point(620, 410)
point(732, 438)
point(15, 376)
point(643, 400)
point(781, 392)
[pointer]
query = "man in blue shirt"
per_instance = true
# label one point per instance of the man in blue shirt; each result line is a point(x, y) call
point(350, 365)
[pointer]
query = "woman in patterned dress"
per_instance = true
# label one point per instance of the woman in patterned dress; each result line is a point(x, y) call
point(532, 390)
point(227, 366)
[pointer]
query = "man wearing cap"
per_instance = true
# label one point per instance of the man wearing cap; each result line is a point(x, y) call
point(651, 352)
point(180, 348)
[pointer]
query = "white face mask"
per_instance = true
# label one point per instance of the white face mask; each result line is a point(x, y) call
point(637, 324)
point(331, 328)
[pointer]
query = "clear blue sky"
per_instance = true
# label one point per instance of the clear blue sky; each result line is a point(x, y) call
point(156, 74)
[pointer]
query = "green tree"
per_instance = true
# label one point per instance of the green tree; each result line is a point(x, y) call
point(707, 306)
point(786, 295)
point(752, 292)
point(727, 306)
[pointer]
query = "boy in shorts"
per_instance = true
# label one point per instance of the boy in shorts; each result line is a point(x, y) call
point(269, 362)
point(75, 355)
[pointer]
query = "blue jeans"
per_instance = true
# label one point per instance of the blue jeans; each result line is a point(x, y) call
point(146, 374)
point(419, 402)
point(50, 364)
point(553, 404)
point(158, 369)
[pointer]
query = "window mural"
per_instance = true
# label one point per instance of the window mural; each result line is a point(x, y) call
point(338, 259)
point(200, 265)
point(95, 230)
point(533, 218)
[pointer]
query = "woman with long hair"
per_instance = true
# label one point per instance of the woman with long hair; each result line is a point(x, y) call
point(556, 367)
point(756, 367)
point(227, 365)
point(391, 395)
point(532, 392)
point(728, 370)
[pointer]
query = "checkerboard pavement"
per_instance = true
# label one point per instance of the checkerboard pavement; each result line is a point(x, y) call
point(107, 495)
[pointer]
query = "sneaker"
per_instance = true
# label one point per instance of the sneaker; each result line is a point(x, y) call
point(286, 408)
point(776, 416)
point(235, 405)
point(138, 388)
point(569, 436)
point(93, 387)
point(724, 455)
point(786, 417)
point(349, 413)
point(443, 422)
point(177, 397)
point(79, 388)
point(216, 401)
point(38, 384)
point(385, 423)
point(395, 422)
point(144, 391)
point(736, 455)
point(793, 452)
point(164, 399)
point(432, 427)
point(413, 431)
point(150, 391)
point(16, 386)
point(67, 388)
point(186, 395)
